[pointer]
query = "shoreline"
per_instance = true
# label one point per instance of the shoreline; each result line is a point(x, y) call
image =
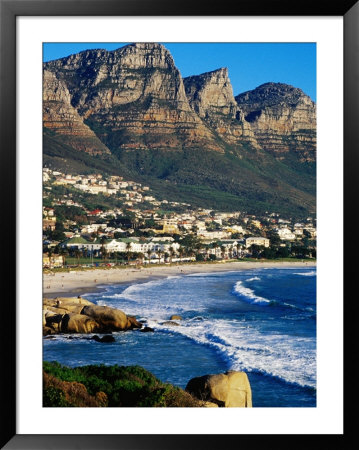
point(81, 282)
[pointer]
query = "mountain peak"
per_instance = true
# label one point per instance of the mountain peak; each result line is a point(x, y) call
point(210, 90)
point(145, 55)
point(283, 119)
point(221, 72)
point(271, 93)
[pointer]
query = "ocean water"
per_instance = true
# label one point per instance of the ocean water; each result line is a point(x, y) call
point(261, 321)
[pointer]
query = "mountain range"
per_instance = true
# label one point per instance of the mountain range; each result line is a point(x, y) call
point(129, 112)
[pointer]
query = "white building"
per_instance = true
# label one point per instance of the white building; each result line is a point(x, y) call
point(45, 176)
point(213, 234)
point(136, 246)
point(285, 234)
point(257, 241)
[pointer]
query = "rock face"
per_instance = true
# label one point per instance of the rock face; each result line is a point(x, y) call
point(283, 119)
point(230, 389)
point(134, 97)
point(211, 97)
point(64, 120)
point(108, 318)
point(78, 323)
point(77, 315)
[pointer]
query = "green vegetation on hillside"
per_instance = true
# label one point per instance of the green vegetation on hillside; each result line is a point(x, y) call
point(224, 182)
point(109, 386)
point(59, 155)
point(240, 179)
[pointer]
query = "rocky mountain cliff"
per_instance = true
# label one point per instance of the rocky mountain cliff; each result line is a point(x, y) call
point(283, 119)
point(132, 107)
point(133, 98)
point(211, 97)
point(62, 118)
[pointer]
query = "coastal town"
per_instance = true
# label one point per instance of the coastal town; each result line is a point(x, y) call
point(94, 220)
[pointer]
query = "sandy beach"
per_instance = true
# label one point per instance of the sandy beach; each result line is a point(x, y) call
point(80, 282)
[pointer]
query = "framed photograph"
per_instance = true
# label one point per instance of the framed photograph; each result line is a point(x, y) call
point(177, 175)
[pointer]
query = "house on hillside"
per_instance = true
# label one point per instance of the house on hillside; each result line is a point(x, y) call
point(262, 241)
point(285, 234)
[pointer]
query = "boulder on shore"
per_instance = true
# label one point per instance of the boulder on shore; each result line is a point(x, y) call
point(61, 302)
point(169, 323)
point(208, 405)
point(230, 389)
point(53, 320)
point(64, 305)
point(78, 323)
point(147, 330)
point(46, 331)
point(176, 317)
point(133, 323)
point(110, 318)
point(77, 315)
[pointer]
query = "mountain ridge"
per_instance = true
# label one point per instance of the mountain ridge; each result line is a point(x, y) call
point(134, 103)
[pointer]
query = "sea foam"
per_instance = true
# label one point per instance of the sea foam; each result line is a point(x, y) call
point(306, 274)
point(248, 294)
point(253, 279)
point(245, 349)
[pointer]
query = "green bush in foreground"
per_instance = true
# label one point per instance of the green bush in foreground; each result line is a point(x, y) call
point(122, 386)
point(53, 396)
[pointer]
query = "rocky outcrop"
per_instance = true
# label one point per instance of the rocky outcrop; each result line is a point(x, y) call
point(133, 96)
point(230, 389)
point(211, 97)
point(211, 93)
point(77, 315)
point(110, 319)
point(176, 317)
point(283, 119)
point(208, 405)
point(147, 330)
point(170, 323)
point(62, 118)
point(78, 323)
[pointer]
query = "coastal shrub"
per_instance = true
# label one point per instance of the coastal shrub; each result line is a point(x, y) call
point(156, 397)
point(126, 393)
point(101, 398)
point(59, 393)
point(95, 384)
point(179, 398)
point(112, 386)
point(53, 397)
point(63, 373)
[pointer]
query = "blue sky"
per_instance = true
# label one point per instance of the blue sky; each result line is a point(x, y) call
point(249, 64)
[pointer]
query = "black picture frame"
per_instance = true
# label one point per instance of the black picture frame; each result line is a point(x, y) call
point(9, 10)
